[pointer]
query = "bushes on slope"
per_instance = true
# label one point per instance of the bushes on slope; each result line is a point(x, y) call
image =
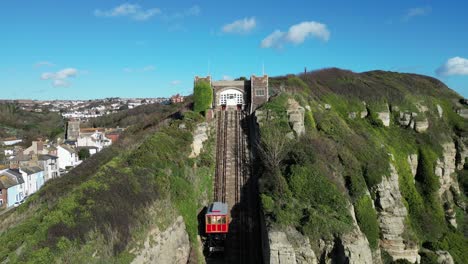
point(202, 96)
point(367, 220)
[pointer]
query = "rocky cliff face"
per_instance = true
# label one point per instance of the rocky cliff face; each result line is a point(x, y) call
point(296, 117)
point(169, 246)
point(384, 116)
point(355, 244)
point(290, 247)
point(449, 188)
point(200, 135)
point(391, 216)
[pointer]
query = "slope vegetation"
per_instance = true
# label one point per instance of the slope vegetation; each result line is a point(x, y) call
point(389, 144)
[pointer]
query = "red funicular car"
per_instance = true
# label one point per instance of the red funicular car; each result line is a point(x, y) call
point(217, 219)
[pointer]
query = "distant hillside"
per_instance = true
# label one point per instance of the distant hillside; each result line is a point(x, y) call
point(128, 117)
point(15, 122)
point(385, 148)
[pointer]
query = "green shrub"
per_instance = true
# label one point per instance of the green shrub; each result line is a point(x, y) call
point(367, 220)
point(202, 97)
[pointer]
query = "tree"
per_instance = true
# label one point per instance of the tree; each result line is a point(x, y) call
point(203, 97)
point(83, 154)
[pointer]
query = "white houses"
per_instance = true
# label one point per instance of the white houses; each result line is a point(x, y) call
point(50, 165)
point(94, 139)
point(12, 188)
point(33, 178)
point(67, 157)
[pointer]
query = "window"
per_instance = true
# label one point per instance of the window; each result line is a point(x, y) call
point(260, 92)
point(1, 191)
point(1, 202)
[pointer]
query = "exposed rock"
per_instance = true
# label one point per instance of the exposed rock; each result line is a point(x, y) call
point(296, 117)
point(422, 108)
point(307, 107)
point(327, 106)
point(352, 115)
point(405, 118)
point(462, 148)
point(395, 108)
point(391, 216)
point(444, 169)
point(169, 246)
point(444, 257)
point(385, 117)
point(463, 112)
point(290, 135)
point(200, 135)
point(364, 113)
point(421, 126)
point(355, 244)
point(290, 247)
point(413, 163)
point(182, 126)
point(440, 111)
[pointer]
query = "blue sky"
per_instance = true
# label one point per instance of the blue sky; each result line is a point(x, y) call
point(94, 49)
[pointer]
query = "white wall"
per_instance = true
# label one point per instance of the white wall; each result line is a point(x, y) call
point(65, 158)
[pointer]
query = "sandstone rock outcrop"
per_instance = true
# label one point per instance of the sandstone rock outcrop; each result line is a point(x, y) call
point(449, 188)
point(200, 135)
point(384, 116)
point(444, 257)
point(170, 246)
point(290, 247)
point(355, 244)
point(462, 148)
point(296, 117)
point(408, 119)
point(421, 125)
point(391, 216)
point(440, 111)
point(463, 112)
point(413, 163)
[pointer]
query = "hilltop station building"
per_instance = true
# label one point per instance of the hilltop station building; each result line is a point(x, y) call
point(245, 94)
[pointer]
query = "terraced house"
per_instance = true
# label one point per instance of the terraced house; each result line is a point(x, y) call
point(12, 187)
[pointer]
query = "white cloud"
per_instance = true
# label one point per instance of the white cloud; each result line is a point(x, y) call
point(192, 11)
point(175, 82)
point(135, 12)
point(273, 40)
point(415, 12)
point(43, 64)
point(240, 26)
point(454, 66)
point(227, 78)
point(296, 34)
point(60, 78)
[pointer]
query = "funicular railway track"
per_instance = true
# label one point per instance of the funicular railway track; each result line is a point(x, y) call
point(232, 186)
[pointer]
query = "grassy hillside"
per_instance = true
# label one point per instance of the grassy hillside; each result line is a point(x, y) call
point(342, 158)
point(104, 208)
point(15, 122)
